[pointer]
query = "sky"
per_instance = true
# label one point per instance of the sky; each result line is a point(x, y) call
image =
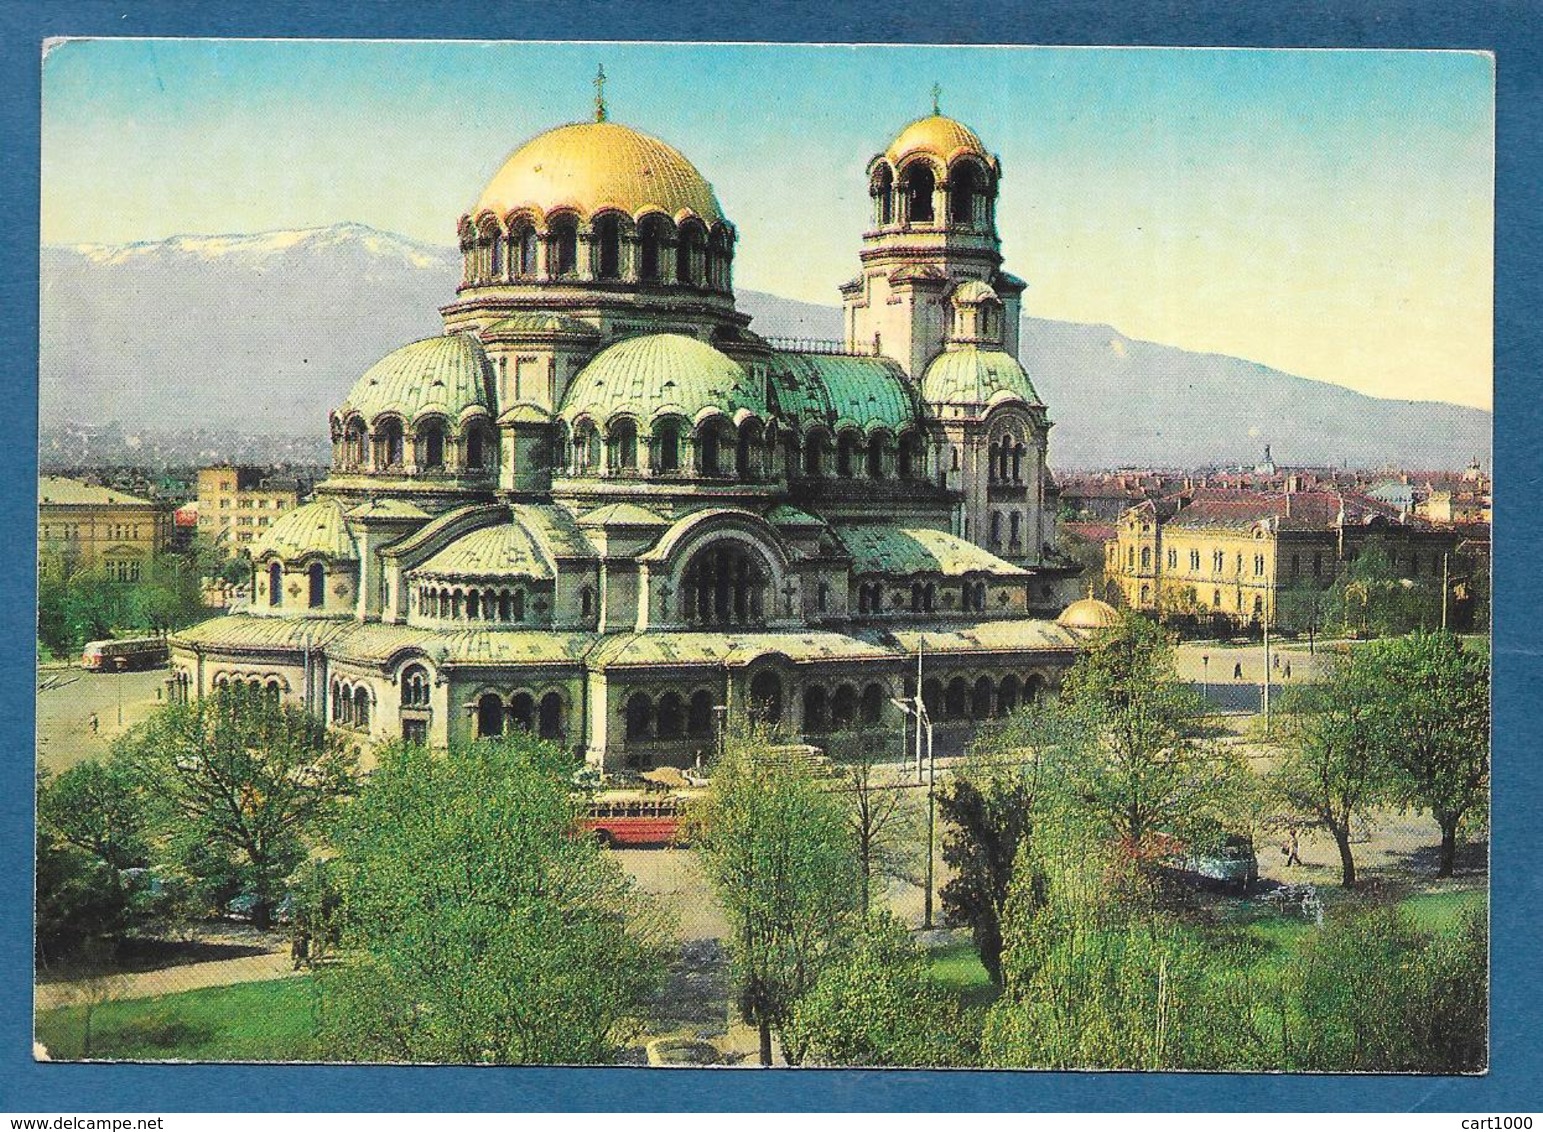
point(1328, 213)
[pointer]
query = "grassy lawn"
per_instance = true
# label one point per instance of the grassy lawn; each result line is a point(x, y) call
point(263, 1021)
point(1442, 911)
point(956, 967)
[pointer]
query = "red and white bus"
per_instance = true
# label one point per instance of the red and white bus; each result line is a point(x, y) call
point(634, 818)
point(120, 656)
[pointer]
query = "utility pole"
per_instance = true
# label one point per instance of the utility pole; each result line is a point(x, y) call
point(1444, 585)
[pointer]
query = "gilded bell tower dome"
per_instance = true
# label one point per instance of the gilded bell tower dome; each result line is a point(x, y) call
point(933, 227)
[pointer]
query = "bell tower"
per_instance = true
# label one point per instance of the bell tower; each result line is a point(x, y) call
point(933, 228)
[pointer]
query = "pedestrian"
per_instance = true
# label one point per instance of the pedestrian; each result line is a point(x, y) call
point(1293, 857)
point(300, 949)
point(94, 723)
point(1276, 664)
point(1288, 670)
point(1237, 671)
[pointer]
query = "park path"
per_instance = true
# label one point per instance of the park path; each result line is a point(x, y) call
point(272, 964)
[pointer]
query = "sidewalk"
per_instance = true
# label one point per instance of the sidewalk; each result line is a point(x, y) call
point(274, 964)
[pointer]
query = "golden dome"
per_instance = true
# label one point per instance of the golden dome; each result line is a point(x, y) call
point(588, 166)
point(1088, 613)
point(939, 136)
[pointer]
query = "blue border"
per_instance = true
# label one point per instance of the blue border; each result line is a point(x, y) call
point(1509, 29)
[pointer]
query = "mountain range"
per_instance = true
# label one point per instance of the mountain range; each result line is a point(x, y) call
point(255, 337)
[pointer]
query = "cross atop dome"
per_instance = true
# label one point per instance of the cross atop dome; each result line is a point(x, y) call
point(600, 93)
point(937, 93)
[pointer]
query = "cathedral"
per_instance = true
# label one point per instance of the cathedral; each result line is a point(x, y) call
point(600, 506)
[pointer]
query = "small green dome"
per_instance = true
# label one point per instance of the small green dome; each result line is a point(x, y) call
point(505, 551)
point(654, 374)
point(446, 375)
point(316, 529)
point(969, 375)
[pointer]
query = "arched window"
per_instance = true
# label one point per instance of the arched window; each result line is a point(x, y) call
point(388, 444)
point(337, 704)
point(1014, 528)
point(980, 698)
point(918, 185)
point(991, 461)
point(496, 254)
point(640, 716)
point(904, 462)
point(843, 708)
point(550, 724)
point(932, 697)
point(608, 239)
point(1033, 688)
point(517, 605)
point(814, 454)
point(956, 699)
point(766, 698)
point(490, 716)
point(431, 445)
point(744, 453)
point(671, 720)
point(623, 446)
point(587, 602)
point(473, 605)
point(316, 576)
point(362, 708)
point(275, 585)
point(881, 189)
point(415, 686)
point(724, 585)
point(996, 528)
point(929, 597)
point(1007, 695)
point(873, 704)
point(846, 453)
point(689, 254)
point(876, 456)
point(354, 443)
point(563, 247)
point(522, 711)
point(699, 715)
point(1146, 557)
point(1017, 463)
point(474, 446)
point(816, 713)
point(667, 448)
point(963, 188)
point(653, 236)
point(522, 256)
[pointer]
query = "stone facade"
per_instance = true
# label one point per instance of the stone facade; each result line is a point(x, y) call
point(602, 508)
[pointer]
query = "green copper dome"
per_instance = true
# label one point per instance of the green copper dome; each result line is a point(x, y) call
point(506, 550)
point(968, 375)
point(316, 529)
point(655, 374)
point(446, 375)
point(842, 390)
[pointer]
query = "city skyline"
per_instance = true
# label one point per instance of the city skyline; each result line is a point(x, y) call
point(1323, 212)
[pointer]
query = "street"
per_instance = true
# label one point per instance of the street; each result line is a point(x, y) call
point(67, 699)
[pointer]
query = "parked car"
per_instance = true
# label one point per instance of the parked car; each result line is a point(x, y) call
point(1233, 862)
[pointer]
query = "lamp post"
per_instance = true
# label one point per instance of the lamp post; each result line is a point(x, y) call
point(1205, 674)
point(918, 709)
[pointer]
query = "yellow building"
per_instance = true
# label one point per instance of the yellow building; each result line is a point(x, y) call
point(1233, 553)
point(83, 526)
point(237, 505)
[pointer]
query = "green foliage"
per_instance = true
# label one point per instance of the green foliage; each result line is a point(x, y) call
point(1430, 724)
point(1368, 599)
point(1090, 984)
point(77, 605)
point(989, 807)
point(1377, 995)
point(875, 1004)
point(98, 807)
point(238, 784)
point(1135, 761)
point(884, 817)
point(80, 900)
point(774, 842)
point(476, 925)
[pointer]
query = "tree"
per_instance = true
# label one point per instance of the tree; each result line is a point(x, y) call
point(99, 808)
point(1332, 772)
point(1432, 726)
point(1090, 983)
point(239, 782)
point(881, 817)
point(775, 843)
point(876, 1005)
point(990, 807)
point(80, 900)
point(477, 927)
point(1131, 757)
point(1304, 607)
point(1383, 996)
